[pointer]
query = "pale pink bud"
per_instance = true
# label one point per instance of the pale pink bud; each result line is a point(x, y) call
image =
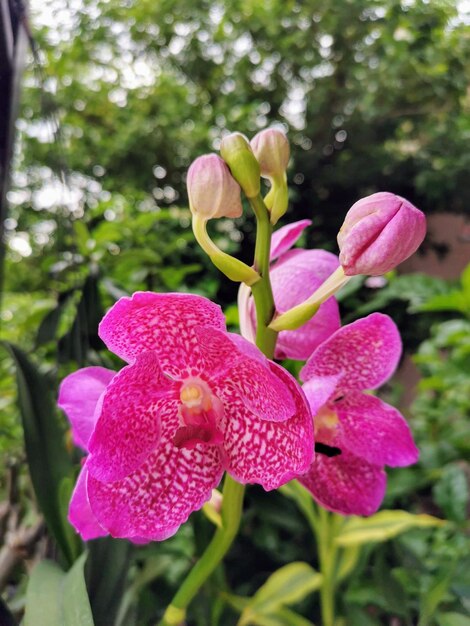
point(212, 190)
point(271, 148)
point(378, 233)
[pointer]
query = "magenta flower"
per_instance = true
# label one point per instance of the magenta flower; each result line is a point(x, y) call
point(363, 433)
point(192, 402)
point(294, 277)
point(378, 233)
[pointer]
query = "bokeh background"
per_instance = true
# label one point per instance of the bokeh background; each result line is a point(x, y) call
point(116, 102)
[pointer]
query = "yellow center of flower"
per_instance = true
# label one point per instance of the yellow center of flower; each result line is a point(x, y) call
point(196, 396)
point(326, 421)
point(199, 414)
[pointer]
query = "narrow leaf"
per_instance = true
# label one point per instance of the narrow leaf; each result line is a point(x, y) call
point(282, 617)
point(435, 595)
point(287, 585)
point(382, 526)
point(47, 457)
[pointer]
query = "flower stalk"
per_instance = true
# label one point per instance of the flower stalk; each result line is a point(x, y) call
point(230, 266)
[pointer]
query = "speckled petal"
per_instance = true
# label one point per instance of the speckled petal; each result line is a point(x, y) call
point(284, 238)
point(153, 502)
point(218, 351)
point(78, 396)
point(80, 514)
point(366, 352)
point(249, 379)
point(319, 389)
point(264, 452)
point(375, 431)
point(346, 484)
point(139, 398)
point(294, 278)
point(160, 322)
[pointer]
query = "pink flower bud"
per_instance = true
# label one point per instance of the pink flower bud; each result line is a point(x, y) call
point(378, 233)
point(212, 190)
point(271, 148)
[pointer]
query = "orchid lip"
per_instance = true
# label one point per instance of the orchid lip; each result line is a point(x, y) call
point(200, 414)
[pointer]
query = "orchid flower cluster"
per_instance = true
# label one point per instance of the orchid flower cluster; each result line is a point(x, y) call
point(195, 401)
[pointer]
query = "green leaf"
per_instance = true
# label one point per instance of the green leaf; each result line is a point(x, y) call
point(47, 330)
point(238, 603)
point(43, 604)
point(348, 561)
point(452, 619)
point(435, 595)
point(287, 585)
point(451, 492)
point(56, 598)
point(82, 237)
point(282, 617)
point(465, 280)
point(48, 460)
point(107, 592)
point(76, 610)
point(452, 301)
point(84, 331)
point(382, 526)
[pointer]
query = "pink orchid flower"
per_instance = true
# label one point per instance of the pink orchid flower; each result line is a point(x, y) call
point(193, 401)
point(294, 277)
point(362, 433)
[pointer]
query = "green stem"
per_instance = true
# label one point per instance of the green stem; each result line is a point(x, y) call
point(231, 515)
point(262, 292)
point(232, 501)
point(327, 555)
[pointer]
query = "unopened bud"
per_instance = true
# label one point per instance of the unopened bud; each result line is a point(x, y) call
point(379, 232)
point(237, 153)
point(271, 148)
point(212, 191)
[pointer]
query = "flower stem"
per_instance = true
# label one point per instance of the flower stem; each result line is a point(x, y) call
point(262, 292)
point(233, 492)
point(231, 515)
point(327, 554)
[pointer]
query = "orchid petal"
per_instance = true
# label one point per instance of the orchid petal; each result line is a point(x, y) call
point(78, 397)
point(153, 502)
point(294, 278)
point(163, 323)
point(265, 452)
point(139, 398)
point(366, 352)
point(245, 313)
point(80, 513)
point(319, 389)
point(346, 484)
point(375, 431)
point(243, 376)
point(284, 238)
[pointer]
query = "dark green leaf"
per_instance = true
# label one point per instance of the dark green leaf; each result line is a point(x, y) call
point(47, 457)
point(106, 592)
